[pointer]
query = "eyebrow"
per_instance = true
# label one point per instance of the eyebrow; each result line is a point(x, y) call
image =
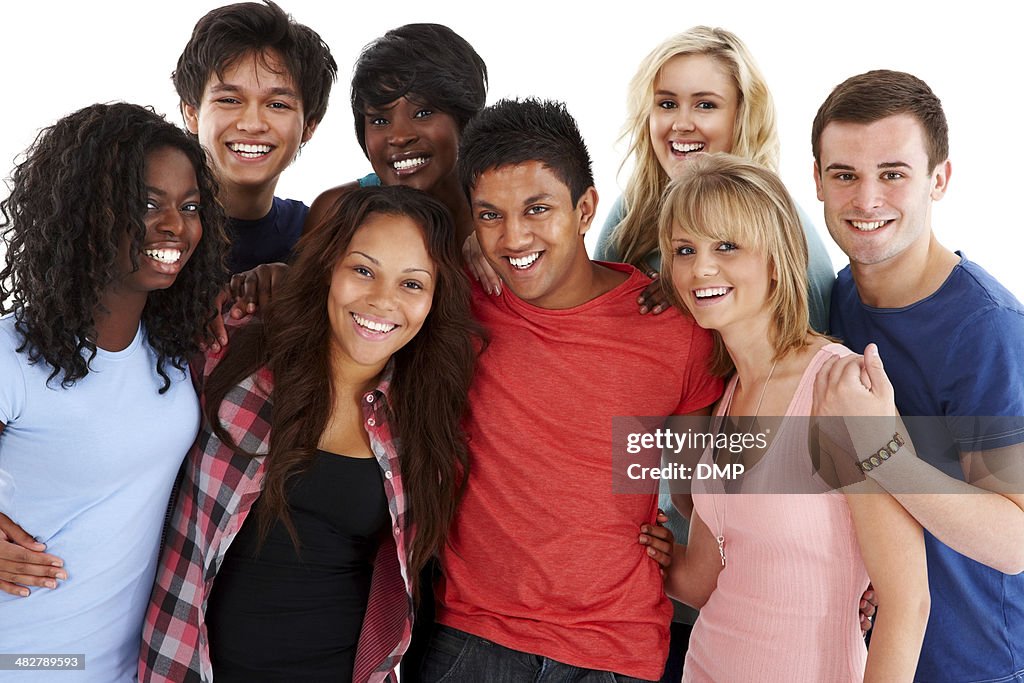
point(377, 263)
point(700, 93)
point(884, 164)
point(278, 91)
point(157, 191)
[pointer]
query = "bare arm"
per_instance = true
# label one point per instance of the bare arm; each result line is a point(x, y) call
point(892, 545)
point(693, 575)
point(987, 525)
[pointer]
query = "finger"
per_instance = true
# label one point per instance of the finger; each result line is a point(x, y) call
point(876, 372)
point(219, 332)
point(250, 292)
point(662, 533)
point(489, 275)
point(821, 380)
point(867, 609)
point(660, 308)
point(13, 589)
point(662, 517)
point(40, 581)
point(12, 532)
point(869, 595)
point(264, 291)
point(17, 560)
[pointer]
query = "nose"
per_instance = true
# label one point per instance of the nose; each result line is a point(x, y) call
point(252, 118)
point(517, 235)
point(381, 295)
point(868, 195)
point(171, 223)
point(401, 133)
point(683, 120)
point(705, 264)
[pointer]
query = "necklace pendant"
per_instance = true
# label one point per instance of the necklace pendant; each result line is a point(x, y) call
point(721, 548)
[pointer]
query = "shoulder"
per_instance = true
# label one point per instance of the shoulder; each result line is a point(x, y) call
point(322, 205)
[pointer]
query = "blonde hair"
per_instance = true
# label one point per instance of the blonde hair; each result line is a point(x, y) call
point(754, 132)
point(723, 197)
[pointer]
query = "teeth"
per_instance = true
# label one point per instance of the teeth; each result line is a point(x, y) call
point(163, 255)
point(403, 164)
point(687, 147)
point(710, 291)
point(524, 261)
point(249, 151)
point(868, 226)
point(373, 325)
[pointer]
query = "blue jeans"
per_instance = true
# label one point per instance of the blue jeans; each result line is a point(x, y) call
point(454, 655)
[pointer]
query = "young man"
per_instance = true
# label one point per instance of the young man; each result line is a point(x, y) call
point(253, 85)
point(542, 576)
point(952, 339)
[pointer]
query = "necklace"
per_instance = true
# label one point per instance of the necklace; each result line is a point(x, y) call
point(757, 408)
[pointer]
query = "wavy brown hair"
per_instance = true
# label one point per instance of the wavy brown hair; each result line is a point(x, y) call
point(79, 189)
point(430, 374)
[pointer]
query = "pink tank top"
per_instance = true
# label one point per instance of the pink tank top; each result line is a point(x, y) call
point(786, 607)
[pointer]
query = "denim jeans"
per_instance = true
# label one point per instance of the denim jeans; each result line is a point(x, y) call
point(454, 655)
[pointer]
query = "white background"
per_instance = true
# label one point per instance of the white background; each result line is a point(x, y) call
point(61, 55)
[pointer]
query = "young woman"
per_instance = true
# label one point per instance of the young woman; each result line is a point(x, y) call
point(786, 570)
point(330, 458)
point(413, 91)
point(115, 247)
point(697, 92)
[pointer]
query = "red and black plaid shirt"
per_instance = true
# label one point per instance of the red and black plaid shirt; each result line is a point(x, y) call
point(217, 491)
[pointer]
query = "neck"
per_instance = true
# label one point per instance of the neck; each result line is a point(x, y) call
point(352, 380)
point(451, 195)
point(246, 203)
point(117, 319)
point(910, 276)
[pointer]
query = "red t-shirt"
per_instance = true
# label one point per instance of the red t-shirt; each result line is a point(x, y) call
point(543, 557)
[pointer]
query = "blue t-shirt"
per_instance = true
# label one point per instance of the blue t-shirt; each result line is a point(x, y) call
point(88, 471)
point(958, 354)
point(266, 240)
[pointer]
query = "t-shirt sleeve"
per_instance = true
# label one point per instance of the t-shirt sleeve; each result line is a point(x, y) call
point(985, 365)
point(700, 387)
point(12, 380)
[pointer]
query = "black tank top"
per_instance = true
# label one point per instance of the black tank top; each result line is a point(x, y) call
point(274, 614)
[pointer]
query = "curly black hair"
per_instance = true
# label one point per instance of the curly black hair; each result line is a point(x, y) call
point(79, 188)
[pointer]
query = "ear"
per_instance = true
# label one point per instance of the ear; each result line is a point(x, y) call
point(817, 182)
point(308, 131)
point(940, 179)
point(191, 116)
point(587, 206)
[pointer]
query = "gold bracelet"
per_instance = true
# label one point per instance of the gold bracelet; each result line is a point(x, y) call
point(883, 454)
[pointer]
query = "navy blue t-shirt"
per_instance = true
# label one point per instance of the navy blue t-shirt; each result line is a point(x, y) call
point(266, 240)
point(958, 354)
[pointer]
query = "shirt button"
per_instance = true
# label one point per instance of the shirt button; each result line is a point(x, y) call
point(398, 529)
point(369, 398)
point(371, 422)
point(388, 475)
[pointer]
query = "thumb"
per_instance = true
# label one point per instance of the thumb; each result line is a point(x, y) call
point(876, 372)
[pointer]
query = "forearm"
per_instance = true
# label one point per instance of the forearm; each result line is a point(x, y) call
point(984, 526)
point(685, 582)
point(897, 636)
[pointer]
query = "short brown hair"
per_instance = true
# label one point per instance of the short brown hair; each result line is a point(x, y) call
point(878, 94)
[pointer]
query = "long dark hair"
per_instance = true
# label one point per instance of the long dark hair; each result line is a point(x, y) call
point(80, 187)
point(431, 374)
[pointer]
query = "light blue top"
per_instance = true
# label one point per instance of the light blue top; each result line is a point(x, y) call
point(820, 272)
point(88, 471)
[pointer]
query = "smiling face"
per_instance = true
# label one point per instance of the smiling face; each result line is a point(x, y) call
point(173, 227)
point(250, 123)
point(723, 284)
point(381, 291)
point(532, 234)
point(693, 110)
point(877, 188)
point(411, 143)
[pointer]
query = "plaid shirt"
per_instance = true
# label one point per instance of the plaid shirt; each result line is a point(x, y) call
point(217, 490)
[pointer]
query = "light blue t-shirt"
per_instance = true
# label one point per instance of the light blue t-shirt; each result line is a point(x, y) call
point(88, 471)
